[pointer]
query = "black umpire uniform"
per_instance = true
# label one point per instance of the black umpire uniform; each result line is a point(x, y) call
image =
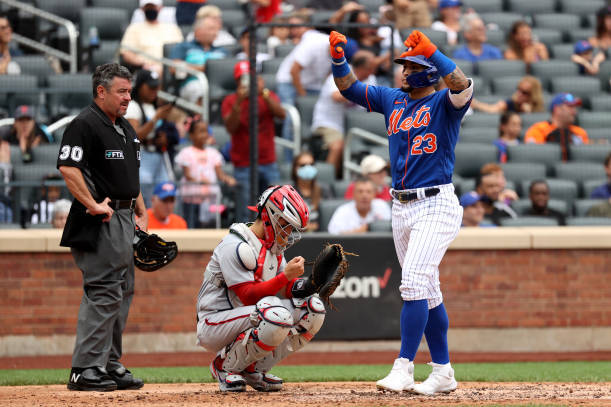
point(108, 156)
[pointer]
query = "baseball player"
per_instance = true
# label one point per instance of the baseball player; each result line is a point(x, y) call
point(239, 315)
point(422, 128)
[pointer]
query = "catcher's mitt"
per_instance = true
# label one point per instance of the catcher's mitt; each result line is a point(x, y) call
point(152, 252)
point(329, 268)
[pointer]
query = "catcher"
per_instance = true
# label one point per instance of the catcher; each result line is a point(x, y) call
point(239, 315)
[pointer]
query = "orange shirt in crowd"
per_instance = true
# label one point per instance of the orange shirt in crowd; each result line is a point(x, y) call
point(173, 222)
point(538, 132)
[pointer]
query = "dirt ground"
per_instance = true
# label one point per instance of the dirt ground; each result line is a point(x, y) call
point(342, 394)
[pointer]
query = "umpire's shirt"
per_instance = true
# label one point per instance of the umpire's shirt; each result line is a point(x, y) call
point(108, 156)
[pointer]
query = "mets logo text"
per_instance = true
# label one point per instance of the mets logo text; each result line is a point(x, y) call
point(114, 155)
point(421, 118)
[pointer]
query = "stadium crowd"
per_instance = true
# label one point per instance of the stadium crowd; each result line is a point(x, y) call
point(534, 149)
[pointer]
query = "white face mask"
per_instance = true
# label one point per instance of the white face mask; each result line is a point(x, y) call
point(307, 172)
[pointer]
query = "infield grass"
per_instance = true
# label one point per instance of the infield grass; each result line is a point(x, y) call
point(478, 372)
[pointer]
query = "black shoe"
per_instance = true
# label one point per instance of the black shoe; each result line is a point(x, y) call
point(90, 379)
point(125, 380)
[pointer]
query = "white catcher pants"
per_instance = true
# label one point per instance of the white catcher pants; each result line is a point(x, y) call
point(422, 231)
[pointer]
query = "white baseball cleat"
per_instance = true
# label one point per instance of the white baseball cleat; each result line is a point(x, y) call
point(441, 380)
point(400, 378)
point(263, 381)
point(227, 381)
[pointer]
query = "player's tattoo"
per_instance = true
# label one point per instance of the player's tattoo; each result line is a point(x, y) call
point(345, 82)
point(456, 80)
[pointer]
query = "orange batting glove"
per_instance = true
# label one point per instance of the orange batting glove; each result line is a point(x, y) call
point(419, 44)
point(338, 42)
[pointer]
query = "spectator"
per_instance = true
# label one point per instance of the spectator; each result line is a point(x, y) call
point(7, 65)
point(304, 70)
point(521, 44)
point(278, 35)
point(42, 211)
point(375, 169)
point(475, 48)
point(166, 15)
point(149, 37)
point(223, 38)
point(560, 128)
point(364, 208)
point(244, 41)
point(265, 10)
point(604, 191)
point(156, 141)
point(489, 188)
point(60, 213)
point(407, 13)
point(303, 175)
point(6, 213)
point(528, 98)
point(202, 171)
point(161, 213)
point(584, 57)
point(370, 39)
point(234, 111)
point(507, 195)
point(510, 128)
point(356, 215)
point(538, 192)
point(473, 209)
point(450, 14)
point(186, 10)
point(195, 54)
point(602, 210)
point(24, 132)
point(602, 39)
point(330, 111)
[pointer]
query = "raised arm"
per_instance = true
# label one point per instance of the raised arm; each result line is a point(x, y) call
point(419, 44)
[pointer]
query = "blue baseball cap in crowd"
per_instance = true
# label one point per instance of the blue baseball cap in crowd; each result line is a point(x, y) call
point(449, 3)
point(468, 199)
point(165, 190)
point(564, 99)
point(583, 46)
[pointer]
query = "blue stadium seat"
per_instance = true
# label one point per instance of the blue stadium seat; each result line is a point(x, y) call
point(592, 153)
point(470, 157)
point(488, 120)
point(529, 221)
point(582, 206)
point(484, 6)
point(547, 154)
point(581, 86)
point(588, 221)
point(523, 205)
point(326, 208)
point(504, 20)
point(530, 7)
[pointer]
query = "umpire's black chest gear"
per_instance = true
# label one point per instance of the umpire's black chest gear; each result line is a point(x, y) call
point(109, 161)
point(108, 156)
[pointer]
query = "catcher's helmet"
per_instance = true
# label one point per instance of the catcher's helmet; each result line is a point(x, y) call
point(282, 202)
point(421, 79)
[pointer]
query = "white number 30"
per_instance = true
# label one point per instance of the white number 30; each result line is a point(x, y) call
point(75, 153)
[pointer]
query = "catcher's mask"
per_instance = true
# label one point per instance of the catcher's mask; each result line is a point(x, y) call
point(282, 203)
point(422, 79)
point(152, 252)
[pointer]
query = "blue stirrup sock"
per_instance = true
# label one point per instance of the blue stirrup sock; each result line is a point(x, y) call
point(414, 315)
point(436, 333)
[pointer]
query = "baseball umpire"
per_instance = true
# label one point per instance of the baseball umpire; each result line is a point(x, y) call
point(422, 129)
point(239, 315)
point(100, 159)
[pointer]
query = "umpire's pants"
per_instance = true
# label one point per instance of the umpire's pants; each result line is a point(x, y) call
point(108, 284)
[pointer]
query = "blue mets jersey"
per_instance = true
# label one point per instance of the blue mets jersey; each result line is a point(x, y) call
point(422, 134)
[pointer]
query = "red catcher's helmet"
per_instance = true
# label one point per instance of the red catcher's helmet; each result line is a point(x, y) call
point(282, 202)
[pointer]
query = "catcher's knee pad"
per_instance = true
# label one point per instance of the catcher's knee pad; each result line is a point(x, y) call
point(273, 323)
point(310, 322)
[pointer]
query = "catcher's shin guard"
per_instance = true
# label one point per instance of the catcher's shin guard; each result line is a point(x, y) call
point(310, 322)
point(273, 323)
